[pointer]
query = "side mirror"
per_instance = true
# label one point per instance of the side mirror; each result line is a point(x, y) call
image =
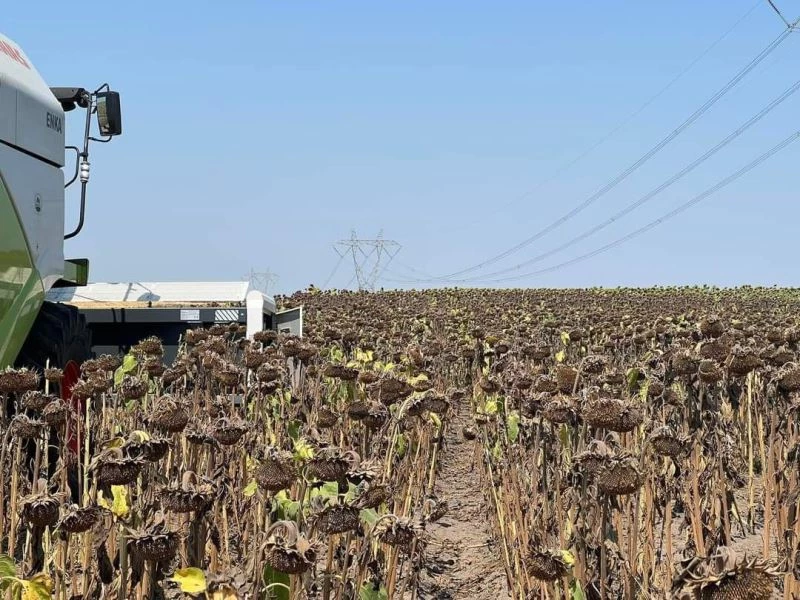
point(109, 113)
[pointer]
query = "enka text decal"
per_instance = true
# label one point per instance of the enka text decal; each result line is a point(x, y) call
point(54, 122)
point(13, 53)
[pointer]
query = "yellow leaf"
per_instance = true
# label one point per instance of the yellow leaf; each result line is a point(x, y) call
point(119, 501)
point(560, 356)
point(567, 557)
point(225, 593)
point(491, 407)
point(142, 436)
point(303, 450)
point(565, 338)
point(364, 356)
point(250, 488)
point(191, 580)
point(38, 587)
point(115, 442)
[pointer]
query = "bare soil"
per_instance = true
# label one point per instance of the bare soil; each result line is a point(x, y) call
point(463, 560)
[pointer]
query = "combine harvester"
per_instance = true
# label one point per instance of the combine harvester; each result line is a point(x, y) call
point(45, 314)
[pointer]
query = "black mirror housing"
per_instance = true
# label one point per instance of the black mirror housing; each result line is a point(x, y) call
point(109, 113)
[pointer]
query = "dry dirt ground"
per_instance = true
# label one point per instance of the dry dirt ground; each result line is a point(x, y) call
point(463, 559)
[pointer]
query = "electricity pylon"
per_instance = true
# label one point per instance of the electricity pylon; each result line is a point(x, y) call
point(370, 257)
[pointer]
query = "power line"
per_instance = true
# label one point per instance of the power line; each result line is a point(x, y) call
point(572, 162)
point(634, 166)
point(686, 205)
point(653, 193)
point(333, 272)
point(778, 12)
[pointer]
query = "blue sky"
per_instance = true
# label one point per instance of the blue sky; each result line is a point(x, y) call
point(257, 136)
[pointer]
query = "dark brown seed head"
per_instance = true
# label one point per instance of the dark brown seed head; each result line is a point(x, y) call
point(545, 565)
point(396, 531)
point(53, 375)
point(18, 381)
point(620, 476)
point(666, 442)
point(40, 510)
point(22, 427)
point(228, 431)
point(169, 415)
point(133, 388)
point(156, 544)
point(338, 518)
point(276, 471)
point(56, 412)
point(78, 520)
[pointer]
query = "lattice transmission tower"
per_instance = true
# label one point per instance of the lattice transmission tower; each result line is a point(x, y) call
point(261, 281)
point(370, 258)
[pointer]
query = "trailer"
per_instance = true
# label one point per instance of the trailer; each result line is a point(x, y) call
point(119, 315)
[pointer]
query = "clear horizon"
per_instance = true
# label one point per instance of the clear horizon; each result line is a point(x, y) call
point(258, 137)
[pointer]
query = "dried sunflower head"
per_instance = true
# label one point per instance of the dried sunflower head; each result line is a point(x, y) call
point(227, 374)
point(742, 360)
point(592, 460)
point(36, 401)
point(566, 377)
point(56, 413)
point(724, 577)
point(168, 415)
point(396, 531)
point(78, 520)
point(190, 495)
point(149, 448)
point(150, 346)
point(331, 463)
point(41, 508)
point(276, 471)
point(620, 476)
point(23, 427)
point(612, 414)
point(268, 372)
point(18, 381)
point(287, 551)
point(112, 467)
point(377, 415)
point(545, 564)
point(133, 388)
point(228, 431)
point(709, 371)
point(559, 410)
point(53, 375)
point(371, 495)
point(326, 418)
point(435, 404)
point(666, 442)
point(788, 378)
point(338, 518)
point(155, 543)
point(341, 372)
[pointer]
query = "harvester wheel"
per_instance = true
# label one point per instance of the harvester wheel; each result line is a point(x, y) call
point(60, 335)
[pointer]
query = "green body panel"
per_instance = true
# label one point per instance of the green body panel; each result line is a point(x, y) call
point(76, 272)
point(21, 291)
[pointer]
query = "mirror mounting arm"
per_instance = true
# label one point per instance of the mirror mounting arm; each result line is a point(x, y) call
point(83, 168)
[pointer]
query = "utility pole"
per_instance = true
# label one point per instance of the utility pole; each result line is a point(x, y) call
point(261, 281)
point(369, 256)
